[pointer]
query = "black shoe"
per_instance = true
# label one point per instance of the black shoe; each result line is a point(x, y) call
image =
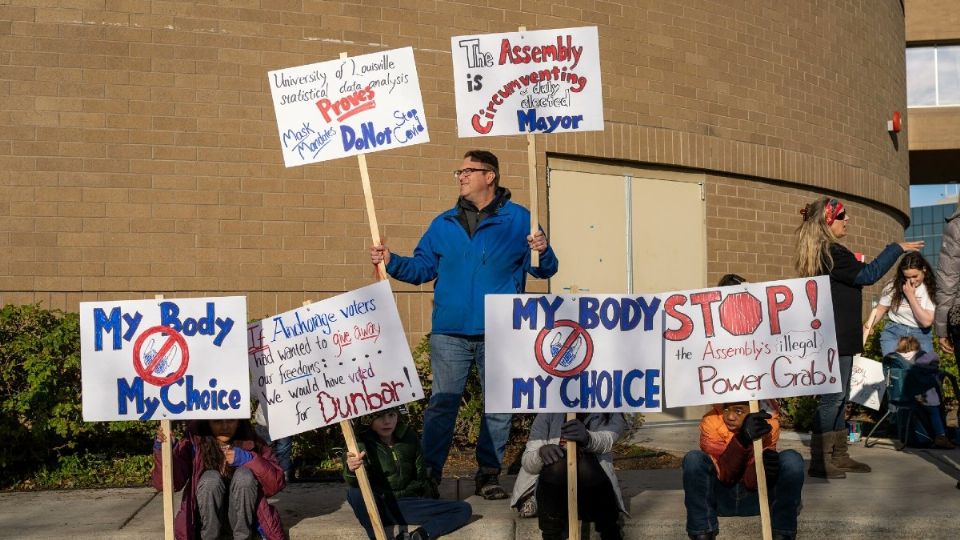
point(488, 485)
point(419, 534)
point(712, 535)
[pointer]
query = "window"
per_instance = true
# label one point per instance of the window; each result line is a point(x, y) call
point(933, 76)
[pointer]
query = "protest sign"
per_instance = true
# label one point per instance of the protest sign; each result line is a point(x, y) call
point(164, 359)
point(748, 342)
point(332, 360)
point(867, 383)
point(543, 81)
point(547, 353)
point(349, 106)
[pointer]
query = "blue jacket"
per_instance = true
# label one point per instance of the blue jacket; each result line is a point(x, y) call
point(494, 261)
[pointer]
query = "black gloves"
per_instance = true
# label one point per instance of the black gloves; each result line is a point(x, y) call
point(754, 426)
point(771, 466)
point(574, 430)
point(550, 454)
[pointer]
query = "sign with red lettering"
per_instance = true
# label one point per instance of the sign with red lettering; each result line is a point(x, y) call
point(348, 106)
point(543, 81)
point(332, 360)
point(750, 341)
point(638, 353)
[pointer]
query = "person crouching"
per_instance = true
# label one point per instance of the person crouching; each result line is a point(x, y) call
point(720, 479)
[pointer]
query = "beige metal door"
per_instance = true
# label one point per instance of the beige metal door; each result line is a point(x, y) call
point(623, 230)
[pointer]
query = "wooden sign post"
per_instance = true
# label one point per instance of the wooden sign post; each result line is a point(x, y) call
point(761, 480)
point(166, 462)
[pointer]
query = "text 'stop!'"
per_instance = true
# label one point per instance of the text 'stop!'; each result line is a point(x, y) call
point(348, 106)
point(544, 81)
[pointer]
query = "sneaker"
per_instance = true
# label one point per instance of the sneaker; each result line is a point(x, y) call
point(488, 486)
point(419, 534)
point(528, 507)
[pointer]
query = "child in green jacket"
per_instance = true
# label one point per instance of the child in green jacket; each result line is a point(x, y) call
point(405, 495)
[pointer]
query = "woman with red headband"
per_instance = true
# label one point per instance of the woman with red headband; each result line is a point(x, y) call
point(819, 252)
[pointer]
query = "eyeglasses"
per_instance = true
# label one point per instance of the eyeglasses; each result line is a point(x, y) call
point(468, 171)
point(841, 216)
point(737, 411)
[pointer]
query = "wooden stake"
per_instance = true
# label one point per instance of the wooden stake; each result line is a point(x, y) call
point(534, 197)
point(574, 518)
point(368, 200)
point(166, 463)
point(761, 480)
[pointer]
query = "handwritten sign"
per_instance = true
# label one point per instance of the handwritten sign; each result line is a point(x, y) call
point(752, 341)
point(544, 81)
point(572, 353)
point(169, 359)
point(332, 360)
point(348, 106)
point(867, 384)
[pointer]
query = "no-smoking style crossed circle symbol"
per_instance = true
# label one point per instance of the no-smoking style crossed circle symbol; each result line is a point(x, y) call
point(153, 363)
point(571, 349)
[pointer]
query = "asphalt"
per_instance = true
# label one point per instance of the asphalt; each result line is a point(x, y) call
point(909, 494)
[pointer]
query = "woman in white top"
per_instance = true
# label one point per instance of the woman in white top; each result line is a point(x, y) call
point(908, 304)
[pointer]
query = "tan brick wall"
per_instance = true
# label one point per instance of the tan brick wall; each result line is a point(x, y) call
point(932, 20)
point(139, 154)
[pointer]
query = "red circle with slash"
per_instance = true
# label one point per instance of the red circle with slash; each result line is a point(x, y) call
point(173, 338)
point(551, 365)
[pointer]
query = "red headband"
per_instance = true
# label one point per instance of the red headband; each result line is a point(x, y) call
point(833, 209)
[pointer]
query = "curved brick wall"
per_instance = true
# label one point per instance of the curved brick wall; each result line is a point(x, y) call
point(138, 149)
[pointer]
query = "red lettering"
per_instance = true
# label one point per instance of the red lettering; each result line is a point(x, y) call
point(686, 323)
point(704, 300)
point(779, 298)
point(347, 106)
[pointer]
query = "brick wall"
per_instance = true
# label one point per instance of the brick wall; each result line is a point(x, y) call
point(139, 154)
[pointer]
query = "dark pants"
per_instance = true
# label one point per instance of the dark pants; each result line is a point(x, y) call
point(706, 497)
point(596, 500)
point(234, 499)
point(437, 517)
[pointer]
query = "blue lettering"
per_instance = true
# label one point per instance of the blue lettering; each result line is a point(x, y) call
point(102, 323)
point(588, 312)
point(174, 407)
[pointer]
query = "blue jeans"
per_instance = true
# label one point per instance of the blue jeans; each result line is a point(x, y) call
point(831, 412)
point(451, 358)
point(892, 332)
point(437, 517)
point(706, 497)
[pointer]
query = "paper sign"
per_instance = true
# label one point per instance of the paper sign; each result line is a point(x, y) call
point(547, 353)
point(751, 341)
point(349, 106)
point(867, 383)
point(332, 360)
point(544, 81)
point(164, 359)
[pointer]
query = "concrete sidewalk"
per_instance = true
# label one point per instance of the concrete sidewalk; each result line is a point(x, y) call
point(910, 494)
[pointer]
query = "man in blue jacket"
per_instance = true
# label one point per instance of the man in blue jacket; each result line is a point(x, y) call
point(480, 246)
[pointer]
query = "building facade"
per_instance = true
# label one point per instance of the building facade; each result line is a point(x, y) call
point(139, 153)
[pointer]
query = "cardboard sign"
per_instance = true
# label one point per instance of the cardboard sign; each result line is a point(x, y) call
point(332, 360)
point(751, 341)
point(547, 353)
point(544, 81)
point(349, 106)
point(164, 359)
point(867, 384)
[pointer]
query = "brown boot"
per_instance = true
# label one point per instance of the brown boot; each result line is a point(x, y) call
point(841, 457)
point(941, 441)
point(821, 448)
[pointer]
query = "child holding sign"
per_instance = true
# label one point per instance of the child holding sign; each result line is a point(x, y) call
point(598, 491)
point(720, 479)
point(231, 473)
point(404, 492)
point(819, 252)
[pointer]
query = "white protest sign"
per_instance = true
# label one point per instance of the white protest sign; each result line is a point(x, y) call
point(542, 81)
point(749, 342)
point(547, 353)
point(164, 359)
point(867, 383)
point(332, 360)
point(348, 106)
